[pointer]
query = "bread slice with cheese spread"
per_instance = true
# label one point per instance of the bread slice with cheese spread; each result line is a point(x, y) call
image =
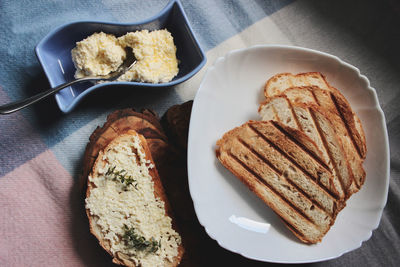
point(282, 166)
point(127, 207)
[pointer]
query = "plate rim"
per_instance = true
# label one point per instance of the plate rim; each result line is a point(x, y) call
point(383, 126)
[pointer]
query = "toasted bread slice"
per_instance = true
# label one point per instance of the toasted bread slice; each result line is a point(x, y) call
point(317, 124)
point(279, 164)
point(316, 96)
point(176, 123)
point(334, 101)
point(145, 123)
point(126, 205)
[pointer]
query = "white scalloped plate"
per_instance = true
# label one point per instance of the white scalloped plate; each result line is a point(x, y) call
point(228, 96)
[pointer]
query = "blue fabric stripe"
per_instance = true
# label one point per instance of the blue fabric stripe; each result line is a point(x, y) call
point(19, 142)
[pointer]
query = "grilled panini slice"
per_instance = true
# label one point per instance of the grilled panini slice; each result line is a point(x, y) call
point(280, 165)
point(334, 102)
point(319, 126)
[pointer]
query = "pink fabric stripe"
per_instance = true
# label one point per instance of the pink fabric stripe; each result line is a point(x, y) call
point(19, 141)
point(42, 219)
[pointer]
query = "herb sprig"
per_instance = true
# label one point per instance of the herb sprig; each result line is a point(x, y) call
point(121, 176)
point(133, 240)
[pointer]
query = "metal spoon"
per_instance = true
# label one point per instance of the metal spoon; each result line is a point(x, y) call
point(129, 62)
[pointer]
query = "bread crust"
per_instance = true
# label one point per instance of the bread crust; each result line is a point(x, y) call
point(118, 124)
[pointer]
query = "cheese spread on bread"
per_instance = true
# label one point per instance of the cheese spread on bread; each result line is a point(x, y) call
point(117, 206)
point(98, 54)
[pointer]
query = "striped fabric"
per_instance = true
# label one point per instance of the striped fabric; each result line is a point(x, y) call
point(42, 222)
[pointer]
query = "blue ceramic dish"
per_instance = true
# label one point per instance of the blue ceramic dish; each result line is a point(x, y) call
point(54, 51)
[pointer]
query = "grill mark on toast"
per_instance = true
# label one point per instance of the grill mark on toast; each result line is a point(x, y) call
point(301, 146)
point(294, 115)
point(266, 161)
point(292, 228)
point(315, 97)
point(280, 173)
point(334, 100)
point(304, 171)
point(261, 180)
point(324, 141)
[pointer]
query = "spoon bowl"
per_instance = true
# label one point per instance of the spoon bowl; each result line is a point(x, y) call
point(54, 52)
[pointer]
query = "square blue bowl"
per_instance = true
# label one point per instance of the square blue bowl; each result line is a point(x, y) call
point(54, 51)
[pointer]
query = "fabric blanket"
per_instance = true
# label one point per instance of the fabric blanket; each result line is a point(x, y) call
point(42, 219)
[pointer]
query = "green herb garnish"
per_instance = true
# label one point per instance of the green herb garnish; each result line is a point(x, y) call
point(121, 176)
point(133, 240)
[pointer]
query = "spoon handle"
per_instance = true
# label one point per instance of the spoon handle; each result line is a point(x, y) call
point(17, 105)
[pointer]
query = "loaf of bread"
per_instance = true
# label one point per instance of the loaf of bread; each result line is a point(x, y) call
point(127, 207)
point(281, 165)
